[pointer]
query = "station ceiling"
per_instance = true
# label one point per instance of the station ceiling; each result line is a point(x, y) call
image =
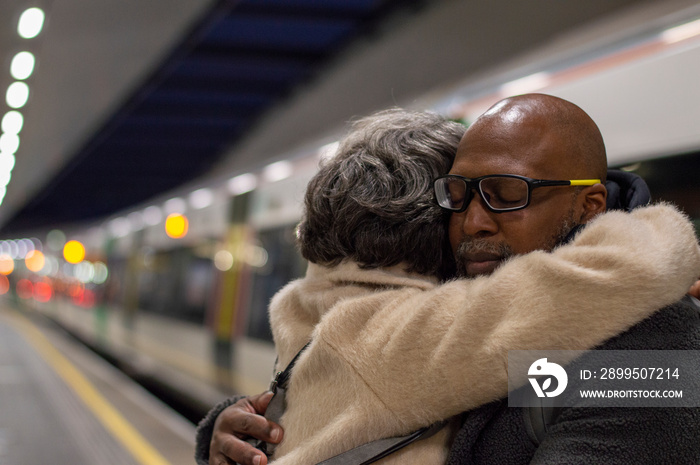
point(233, 62)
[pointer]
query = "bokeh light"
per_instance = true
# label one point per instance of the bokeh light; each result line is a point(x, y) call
point(42, 291)
point(7, 161)
point(152, 215)
point(17, 94)
point(223, 260)
point(175, 205)
point(5, 178)
point(101, 273)
point(277, 171)
point(4, 284)
point(30, 23)
point(242, 184)
point(85, 272)
point(7, 264)
point(176, 225)
point(22, 65)
point(12, 122)
point(9, 143)
point(35, 261)
point(201, 198)
point(74, 252)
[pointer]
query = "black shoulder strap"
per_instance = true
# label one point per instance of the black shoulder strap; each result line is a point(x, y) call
point(538, 420)
point(278, 404)
point(282, 377)
point(376, 450)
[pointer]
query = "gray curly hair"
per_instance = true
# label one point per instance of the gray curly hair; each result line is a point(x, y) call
point(373, 201)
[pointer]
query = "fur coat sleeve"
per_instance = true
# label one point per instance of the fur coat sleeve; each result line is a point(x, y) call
point(393, 360)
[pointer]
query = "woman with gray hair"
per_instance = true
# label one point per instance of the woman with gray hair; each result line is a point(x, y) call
point(392, 347)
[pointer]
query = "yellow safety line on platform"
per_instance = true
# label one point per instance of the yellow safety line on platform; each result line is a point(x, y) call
point(120, 428)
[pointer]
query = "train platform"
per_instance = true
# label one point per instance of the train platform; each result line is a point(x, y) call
point(62, 404)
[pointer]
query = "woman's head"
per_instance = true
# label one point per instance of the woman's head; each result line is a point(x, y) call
point(373, 201)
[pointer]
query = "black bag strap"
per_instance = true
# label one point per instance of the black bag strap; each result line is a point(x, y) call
point(278, 386)
point(376, 450)
point(278, 403)
point(538, 420)
point(282, 377)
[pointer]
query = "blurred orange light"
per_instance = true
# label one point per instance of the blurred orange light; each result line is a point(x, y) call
point(25, 289)
point(7, 264)
point(35, 261)
point(176, 225)
point(4, 284)
point(73, 252)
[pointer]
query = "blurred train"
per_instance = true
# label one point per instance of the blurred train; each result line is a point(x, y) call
point(176, 291)
point(185, 309)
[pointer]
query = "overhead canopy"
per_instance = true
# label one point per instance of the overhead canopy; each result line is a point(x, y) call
point(227, 70)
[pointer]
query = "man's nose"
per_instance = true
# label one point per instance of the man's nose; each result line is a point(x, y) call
point(478, 219)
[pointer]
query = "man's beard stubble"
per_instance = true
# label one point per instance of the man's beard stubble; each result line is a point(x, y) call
point(472, 245)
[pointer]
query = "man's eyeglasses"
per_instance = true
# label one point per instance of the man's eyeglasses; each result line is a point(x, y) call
point(500, 192)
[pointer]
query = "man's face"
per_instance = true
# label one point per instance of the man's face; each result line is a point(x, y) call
point(481, 239)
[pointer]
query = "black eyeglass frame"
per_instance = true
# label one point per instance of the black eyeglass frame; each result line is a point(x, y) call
point(475, 185)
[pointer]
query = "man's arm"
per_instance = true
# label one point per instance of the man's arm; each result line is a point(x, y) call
point(221, 434)
point(639, 436)
point(648, 435)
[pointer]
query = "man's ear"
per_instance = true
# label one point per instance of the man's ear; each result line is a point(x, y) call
point(594, 198)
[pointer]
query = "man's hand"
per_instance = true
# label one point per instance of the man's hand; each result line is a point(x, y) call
point(695, 290)
point(240, 421)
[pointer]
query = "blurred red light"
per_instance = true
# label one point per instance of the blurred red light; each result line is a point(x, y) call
point(42, 291)
point(25, 289)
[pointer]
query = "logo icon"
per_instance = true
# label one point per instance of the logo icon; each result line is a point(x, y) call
point(542, 367)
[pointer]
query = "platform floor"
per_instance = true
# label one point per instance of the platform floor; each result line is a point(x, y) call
point(61, 404)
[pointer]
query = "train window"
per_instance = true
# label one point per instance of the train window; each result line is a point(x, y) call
point(284, 263)
point(177, 284)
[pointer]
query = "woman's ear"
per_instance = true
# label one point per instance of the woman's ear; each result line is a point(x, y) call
point(594, 198)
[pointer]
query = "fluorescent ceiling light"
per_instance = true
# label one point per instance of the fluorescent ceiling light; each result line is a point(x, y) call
point(12, 122)
point(682, 32)
point(527, 84)
point(22, 65)
point(201, 198)
point(174, 205)
point(277, 171)
point(152, 215)
point(30, 23)
point(242, 184)
point(17, 94)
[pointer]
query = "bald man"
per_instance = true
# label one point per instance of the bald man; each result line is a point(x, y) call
point(542, 137)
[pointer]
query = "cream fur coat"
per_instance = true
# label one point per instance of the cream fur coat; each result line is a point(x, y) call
point(394, 351)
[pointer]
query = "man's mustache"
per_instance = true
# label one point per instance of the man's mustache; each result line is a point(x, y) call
point(472, 246)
